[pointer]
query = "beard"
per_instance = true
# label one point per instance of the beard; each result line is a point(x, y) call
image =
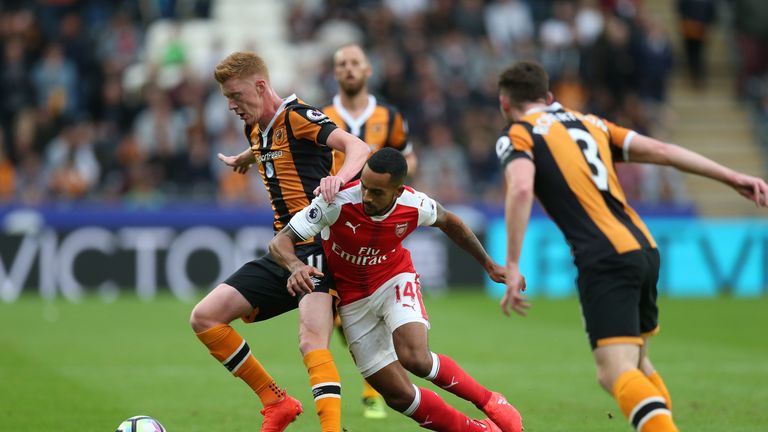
point(370, 210)
point(352, 88)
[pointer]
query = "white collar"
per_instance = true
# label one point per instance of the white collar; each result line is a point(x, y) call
point(355, 124)
point(280, 109)
point(548, 108)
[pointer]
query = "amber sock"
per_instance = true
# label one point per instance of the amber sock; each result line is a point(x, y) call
point(642, 403)
point(228, 347)
point(326, 388)
point(656, 380)
point(369, 391)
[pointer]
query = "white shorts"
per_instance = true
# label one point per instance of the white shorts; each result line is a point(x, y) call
point(369, 322)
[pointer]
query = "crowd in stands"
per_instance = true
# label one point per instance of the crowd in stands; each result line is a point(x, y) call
point(71, 130)
point(751, 37)
point(439, 62)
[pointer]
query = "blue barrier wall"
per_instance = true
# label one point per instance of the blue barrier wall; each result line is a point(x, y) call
point(699, 257)
point(71, 248)
point(185, 248)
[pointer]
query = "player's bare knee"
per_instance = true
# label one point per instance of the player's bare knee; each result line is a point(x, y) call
point(407, 360)
point(607, 375)
point(199, 320)
point(204, 316)
point(605, 380)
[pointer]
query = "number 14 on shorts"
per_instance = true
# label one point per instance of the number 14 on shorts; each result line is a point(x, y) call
point(407, 290)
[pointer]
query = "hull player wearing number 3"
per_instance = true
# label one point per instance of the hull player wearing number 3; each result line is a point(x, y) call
point(567, 160)
point(379, 294)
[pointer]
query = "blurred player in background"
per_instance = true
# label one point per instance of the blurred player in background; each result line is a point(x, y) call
point(380, 300)
point(359, 112)
point(567, 160)
point(291, 142)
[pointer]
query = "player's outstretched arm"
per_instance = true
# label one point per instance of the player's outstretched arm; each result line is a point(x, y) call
point(282, 248)
point(519, 175)
point(650, 150)
point(463, 236)
point(240, 163)
point(355, 154)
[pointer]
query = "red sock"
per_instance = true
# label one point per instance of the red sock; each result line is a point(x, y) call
point(451, 377)
point(431, 412)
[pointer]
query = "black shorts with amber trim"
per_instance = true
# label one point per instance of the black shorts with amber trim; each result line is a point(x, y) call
point(263, 282)
point(618, 297)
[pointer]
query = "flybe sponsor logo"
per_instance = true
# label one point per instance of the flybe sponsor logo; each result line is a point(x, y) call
point(270, 156)
point(365, 256)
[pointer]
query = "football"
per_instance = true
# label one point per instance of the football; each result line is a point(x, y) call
point(140, 423)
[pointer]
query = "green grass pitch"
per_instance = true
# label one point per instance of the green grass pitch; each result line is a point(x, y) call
point(87, 366)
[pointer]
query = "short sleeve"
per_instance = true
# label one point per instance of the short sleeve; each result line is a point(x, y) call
point(310, 123)
point(514, 142)
point(427, 209)
point(620, 139)
point(398, 133)
point(309, 221)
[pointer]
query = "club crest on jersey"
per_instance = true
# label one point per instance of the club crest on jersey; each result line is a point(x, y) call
point(315, 115)
point(279, 135)
point(401, 228)
point(314, 214)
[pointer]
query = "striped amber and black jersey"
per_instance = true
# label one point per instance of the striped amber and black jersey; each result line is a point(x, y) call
point(575, 180)
point(292, 156)
point(379, 126)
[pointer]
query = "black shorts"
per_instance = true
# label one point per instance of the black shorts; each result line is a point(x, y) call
point(618, 297)
point(263, 283)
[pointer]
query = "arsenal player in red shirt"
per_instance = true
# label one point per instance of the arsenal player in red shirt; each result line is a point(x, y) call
point(380, 302)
